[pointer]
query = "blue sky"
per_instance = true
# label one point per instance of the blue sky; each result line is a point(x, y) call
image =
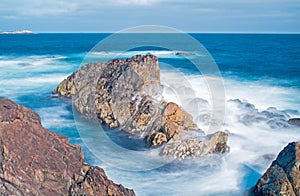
point(186, 15)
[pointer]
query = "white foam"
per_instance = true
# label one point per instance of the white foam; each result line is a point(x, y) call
point(128, 54)
point(250, 145)
point(55, 117)
point(208, 176)
point(24, 66)
point(29, 74)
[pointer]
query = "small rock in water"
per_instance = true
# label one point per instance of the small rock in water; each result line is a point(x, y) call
point(215, 143)
point(294, 121)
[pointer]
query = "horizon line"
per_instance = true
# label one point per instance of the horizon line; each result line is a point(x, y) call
point(191, 32)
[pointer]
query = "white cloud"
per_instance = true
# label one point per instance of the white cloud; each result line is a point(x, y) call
point(137, 2)
point(48, 8)
point(11, 17)
point(67, 7)
point(205, 10)
point(210, 15)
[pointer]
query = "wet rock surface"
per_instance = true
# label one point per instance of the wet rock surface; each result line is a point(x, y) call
point(36, 161)
point(214, 143)
point(283, 176)
point(127, 94)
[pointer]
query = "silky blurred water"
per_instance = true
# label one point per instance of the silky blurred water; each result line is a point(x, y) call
point(258, 69)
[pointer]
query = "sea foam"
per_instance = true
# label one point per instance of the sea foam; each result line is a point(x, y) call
point(252, 108)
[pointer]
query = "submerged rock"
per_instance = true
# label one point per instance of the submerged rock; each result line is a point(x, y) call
point(36, 161)
point(294, 121)
point(127, 94)
point(249, 115)
point(283, 176)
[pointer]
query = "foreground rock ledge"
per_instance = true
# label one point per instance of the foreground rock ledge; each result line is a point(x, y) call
point(127, 93)
point(36, 161)
point(283, 176)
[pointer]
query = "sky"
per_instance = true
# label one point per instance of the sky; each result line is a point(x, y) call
point(186, 15)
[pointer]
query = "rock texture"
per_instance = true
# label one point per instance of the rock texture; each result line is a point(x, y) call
point(36, 161)
point(283, 176)
point(127, 93)
point(214, 143)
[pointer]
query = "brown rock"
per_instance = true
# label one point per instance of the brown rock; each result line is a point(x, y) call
point(215, 143)
point(124, 93)
point(218, 142)
point(173, 113)
point(35, 161)
point(171, 128)
point(157, 139)
point(127, 93)
point(119, 84)
point(176, 119)
point(283, 176)
point(95, 182)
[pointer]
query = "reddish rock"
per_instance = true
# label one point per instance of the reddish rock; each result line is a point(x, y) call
point(176, 119)
point(36, 161)
point(95, 182)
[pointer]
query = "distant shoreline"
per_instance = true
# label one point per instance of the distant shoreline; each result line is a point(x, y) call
point(17, 32)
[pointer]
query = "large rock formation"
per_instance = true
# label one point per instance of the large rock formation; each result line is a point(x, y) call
point(36, 161)
point(283, 176)
point(127, 93)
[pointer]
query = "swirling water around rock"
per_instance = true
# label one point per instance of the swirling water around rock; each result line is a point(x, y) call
point(252, 145)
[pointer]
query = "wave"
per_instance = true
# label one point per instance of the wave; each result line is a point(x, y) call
point(21, 75)
point(56, 117)
point(158, 53)
point(256, 136)
point(255, 113)
point(32, 63)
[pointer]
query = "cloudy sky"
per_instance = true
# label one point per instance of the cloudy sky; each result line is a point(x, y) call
point(186, 15)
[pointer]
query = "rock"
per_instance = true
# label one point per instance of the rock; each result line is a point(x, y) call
point(283, 176)
point(95, 182)
point(157, 139)
point(215, 143)
point(123, 83)
point(36, 161)
point(249, 115)
point(79, 79)
point(294, 121)
point(127, 94)
point(176, 119)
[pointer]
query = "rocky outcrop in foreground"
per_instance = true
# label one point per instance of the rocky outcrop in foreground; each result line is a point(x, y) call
point(283, 176)
point(36, 161)
point(127, 94)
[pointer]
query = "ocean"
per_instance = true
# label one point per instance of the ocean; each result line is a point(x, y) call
point(259, 73)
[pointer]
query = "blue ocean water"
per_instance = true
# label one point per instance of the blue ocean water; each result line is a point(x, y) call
point(261, 69)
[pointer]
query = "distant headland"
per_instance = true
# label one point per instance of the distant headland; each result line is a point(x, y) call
point(17, 32)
